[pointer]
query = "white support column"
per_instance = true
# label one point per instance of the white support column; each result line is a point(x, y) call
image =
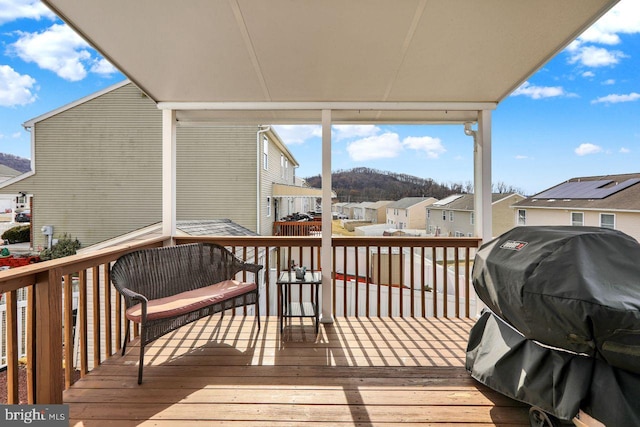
point(169, 173)
point(482, 177)
point(325, 252)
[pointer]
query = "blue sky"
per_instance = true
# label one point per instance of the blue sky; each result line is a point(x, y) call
point(577, 116)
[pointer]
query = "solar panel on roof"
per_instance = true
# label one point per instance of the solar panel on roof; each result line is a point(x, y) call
point(585, 189)
point(572, 189)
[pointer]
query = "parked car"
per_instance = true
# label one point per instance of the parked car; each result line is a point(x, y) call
point(23, 216)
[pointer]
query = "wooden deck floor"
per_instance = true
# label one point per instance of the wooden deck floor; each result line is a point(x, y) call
point(364, 372)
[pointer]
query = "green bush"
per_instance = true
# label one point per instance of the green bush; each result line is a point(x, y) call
point(19, 234)
point(66, 246)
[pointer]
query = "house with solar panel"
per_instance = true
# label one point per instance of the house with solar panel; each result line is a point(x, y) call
point(454, 216)
point(609, 201)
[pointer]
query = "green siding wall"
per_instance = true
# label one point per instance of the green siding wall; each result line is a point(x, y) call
point(98, 168)
point(216, 175)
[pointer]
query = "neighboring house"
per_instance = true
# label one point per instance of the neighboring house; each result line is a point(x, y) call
point(610, 201)
point(408, 212)
point(98, 161)
point(289, 199)
point(359, 210)
point(453, 216)
point(376, 213)
point(339, 208)
point(347, 209)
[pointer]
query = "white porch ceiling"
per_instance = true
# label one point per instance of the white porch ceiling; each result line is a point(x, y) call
point(368, 60)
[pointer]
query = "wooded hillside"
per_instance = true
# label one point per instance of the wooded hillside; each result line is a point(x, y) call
point(14, 162)
point(370, 185)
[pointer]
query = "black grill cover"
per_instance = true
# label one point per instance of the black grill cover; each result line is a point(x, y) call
point(557, 381)
point(576, 288)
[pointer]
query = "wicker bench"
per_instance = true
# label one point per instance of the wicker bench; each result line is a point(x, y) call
point(166, 288)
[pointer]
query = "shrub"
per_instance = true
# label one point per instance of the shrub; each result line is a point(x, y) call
point(66, 246)
point(19, 234)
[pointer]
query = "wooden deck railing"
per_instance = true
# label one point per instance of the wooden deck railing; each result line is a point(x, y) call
point(373, 277)
point(297, 228)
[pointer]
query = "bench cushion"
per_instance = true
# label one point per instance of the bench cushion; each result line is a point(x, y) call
point(189, 301)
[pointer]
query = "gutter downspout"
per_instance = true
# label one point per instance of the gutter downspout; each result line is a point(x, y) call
point(261, 130)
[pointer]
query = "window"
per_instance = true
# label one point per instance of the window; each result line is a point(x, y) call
point(444, 215)
point(428, 213)
point(473, 217)
point(577, 218)
point(451, 216)
point(268, 206)
point(607, 221)
point(522, 217)
point(265, 153)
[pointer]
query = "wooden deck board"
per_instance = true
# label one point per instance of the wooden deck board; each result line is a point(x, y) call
point(364, 372)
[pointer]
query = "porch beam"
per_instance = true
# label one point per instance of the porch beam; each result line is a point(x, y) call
point(323, 106)
point(169, 173)
point(325, 251)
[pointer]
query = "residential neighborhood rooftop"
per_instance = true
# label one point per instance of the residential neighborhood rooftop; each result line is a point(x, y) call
point(620, 192)
point(407, 202)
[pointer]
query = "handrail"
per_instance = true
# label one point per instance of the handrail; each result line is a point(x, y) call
point(372, 276)
point(17, 278)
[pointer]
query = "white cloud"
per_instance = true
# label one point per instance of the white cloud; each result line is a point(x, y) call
point(588, 74)
point(592, 56)
point(615, 98)
point(15, 88)
point(102, 66)
point(538, 92)
point(384, 146)
point(298, 134)
point(609, 82)
point(624, 150)
point(57, 49)
point(624, 18)
point(343, 132)
point(521, 157)
point(16, 135)
point(12, 10)
point(587, 148)
point(431, 146)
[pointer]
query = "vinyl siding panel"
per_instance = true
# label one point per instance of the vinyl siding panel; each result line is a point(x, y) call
point(98, 168)
point(504, 215)
point(627, 222)
point(216, 174)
